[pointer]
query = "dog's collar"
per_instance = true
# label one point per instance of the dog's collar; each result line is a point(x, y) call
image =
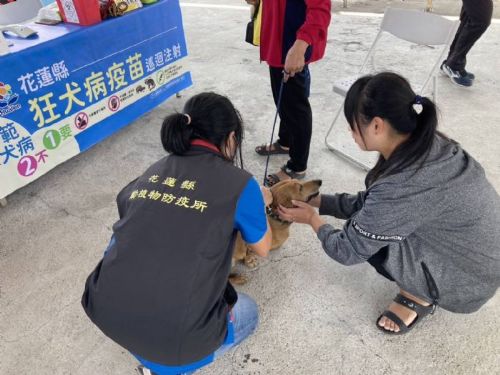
point(274, 215)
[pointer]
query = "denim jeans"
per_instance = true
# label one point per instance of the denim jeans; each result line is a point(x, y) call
point(245, 320)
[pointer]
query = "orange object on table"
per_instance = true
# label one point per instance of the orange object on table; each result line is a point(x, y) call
point(80, 12)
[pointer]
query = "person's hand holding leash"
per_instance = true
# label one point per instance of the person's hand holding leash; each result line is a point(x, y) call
point(295, 59)
point(302, 213)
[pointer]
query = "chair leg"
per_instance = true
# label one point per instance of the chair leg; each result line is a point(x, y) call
point(333, 124)
point(339, 153)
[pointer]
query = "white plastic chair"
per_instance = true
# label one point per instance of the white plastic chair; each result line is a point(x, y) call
point(414, 26)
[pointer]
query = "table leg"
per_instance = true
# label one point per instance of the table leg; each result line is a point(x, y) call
point(428, 8)
point(345, 4)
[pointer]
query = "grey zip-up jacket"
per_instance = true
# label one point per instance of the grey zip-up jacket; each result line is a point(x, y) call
point(443, 218)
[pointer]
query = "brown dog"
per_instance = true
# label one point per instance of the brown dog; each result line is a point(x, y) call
point(283, 194)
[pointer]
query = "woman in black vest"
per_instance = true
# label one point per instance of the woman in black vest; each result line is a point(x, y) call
point(161, 291)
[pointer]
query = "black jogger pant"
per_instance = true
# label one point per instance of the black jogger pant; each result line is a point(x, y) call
point(475, 18)
point(377, 260)
point(295, 115)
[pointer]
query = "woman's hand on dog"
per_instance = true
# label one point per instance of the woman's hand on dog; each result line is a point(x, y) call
point(267, 195)
point(302, 213)
point(316, 201)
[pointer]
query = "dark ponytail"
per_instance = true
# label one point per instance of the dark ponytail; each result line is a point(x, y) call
point(207, 116)
point(390, 97)
point(176, 134)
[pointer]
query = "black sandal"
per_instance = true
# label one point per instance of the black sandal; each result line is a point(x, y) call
point(272, 149)
point(421, 310)
point(273, 179)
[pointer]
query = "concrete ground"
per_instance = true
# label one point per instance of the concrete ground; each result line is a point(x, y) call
point(446, 7)
point(317, 317)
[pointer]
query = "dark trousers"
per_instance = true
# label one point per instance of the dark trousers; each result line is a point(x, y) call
point(295, 115)
point(377, 260)
point(475, 18)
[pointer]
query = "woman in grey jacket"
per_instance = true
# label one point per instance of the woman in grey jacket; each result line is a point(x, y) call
point(428, 219)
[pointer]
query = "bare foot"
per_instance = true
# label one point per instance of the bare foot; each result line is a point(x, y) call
point(282, 176)
point(404, 313)
point(271, 147)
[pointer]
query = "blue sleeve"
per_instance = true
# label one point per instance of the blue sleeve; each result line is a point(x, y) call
point(250, 218)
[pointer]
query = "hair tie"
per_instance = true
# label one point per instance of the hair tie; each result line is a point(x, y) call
point(417, 105)
point(188, 122)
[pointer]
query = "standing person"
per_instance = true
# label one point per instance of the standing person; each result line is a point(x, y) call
point(161, 290)
point(475, 17)
point(293, 34)
point(428, 219)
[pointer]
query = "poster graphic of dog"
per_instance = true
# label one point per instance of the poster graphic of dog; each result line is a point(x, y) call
point(150, 83)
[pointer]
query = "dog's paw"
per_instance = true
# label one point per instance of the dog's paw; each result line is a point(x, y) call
point(251, 260)
point(237, 279)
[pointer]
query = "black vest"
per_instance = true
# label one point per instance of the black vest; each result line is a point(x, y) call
point(159, 290)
